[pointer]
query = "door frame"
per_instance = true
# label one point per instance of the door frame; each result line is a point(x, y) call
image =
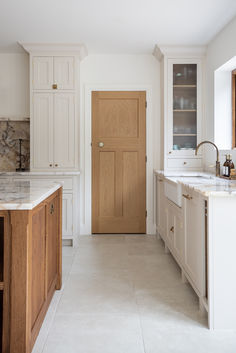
point(85, 196)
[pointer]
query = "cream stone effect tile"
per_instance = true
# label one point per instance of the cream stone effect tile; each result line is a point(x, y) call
point(124, 294)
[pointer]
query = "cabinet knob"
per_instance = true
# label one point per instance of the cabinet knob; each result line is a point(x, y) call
point(50, 165)
point(185, 163)
point(56, 165)
point(172, 229)
point(52, 208)
point(170, 152)
point(54, 86)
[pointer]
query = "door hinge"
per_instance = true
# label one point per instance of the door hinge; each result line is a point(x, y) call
point(146, 214)
point(91, 144)
point(146, 159)
point(146, 104)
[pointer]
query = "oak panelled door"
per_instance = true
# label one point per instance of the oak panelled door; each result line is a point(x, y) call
point(119, 162)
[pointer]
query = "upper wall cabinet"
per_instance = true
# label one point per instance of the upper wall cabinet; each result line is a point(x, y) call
point(182, 104)
point(55, 73)
point(54, 113)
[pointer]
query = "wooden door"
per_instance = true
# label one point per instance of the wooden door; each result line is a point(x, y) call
point(42, 72)
point(43, 130)
point(63, 69)
point(64, 130)
point(118, 162)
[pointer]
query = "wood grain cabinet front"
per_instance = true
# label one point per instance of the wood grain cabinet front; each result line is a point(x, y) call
point(31, 242)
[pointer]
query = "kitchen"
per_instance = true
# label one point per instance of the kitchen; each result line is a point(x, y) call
point(52, 93)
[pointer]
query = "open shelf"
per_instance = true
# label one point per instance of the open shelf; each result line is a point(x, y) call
point(184, 86)
point(184, 134)
point(184, 110)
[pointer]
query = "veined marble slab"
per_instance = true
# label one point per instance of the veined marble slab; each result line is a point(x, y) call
point(28, 173)
point(25, 194)
point(204, 183)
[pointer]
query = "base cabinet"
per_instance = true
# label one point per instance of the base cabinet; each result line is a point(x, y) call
point(183, 231)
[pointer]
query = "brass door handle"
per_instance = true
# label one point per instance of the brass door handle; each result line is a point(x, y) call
point(100, 144)
point(188, 197)
point(54, 86)
point(172, 229)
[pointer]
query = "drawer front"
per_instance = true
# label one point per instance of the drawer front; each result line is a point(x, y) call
point(184, 163)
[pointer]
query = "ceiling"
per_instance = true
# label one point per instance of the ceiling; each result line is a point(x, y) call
point(112, 26)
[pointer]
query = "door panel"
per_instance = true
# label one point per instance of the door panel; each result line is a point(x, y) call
point(42, 72)
point(38, 293)
point(64, 130)
point(52, 241)
point(67, 214)
point(43, 130)
point(119, 166)
point(64, 72)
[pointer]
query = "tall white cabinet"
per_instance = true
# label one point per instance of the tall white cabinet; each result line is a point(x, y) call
point(182, 105)
point(54, 122)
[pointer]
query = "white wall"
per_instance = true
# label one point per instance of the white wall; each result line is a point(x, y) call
point(118, 72)
point(220, 50)
point(14, 86)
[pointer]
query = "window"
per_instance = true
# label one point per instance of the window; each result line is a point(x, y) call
point(234, 108)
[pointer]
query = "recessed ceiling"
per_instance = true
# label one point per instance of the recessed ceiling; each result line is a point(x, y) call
point(111, 26)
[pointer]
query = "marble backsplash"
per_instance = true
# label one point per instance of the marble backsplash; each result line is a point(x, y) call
point(10, 133)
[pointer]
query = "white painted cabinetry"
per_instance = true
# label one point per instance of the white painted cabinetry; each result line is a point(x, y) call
point(182, 105)
point(160, 207)
point(53, 72)
point(194, 247)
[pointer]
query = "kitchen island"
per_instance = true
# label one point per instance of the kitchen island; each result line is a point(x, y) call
point(30, 259)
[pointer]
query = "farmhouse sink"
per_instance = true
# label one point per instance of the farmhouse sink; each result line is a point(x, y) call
point(173, 187)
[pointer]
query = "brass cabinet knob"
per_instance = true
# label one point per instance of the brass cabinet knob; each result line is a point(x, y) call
point(50, 165)
point(185, 163)
point(54, 86)
point(187, 196)
point(56, 165)
point(170, 152)
point(172, 229)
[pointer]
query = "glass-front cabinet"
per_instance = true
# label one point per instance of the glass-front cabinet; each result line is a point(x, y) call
point(184, 112)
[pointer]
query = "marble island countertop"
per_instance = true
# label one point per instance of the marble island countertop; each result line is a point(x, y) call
point(204, 183)
point(29, 173)
point(25, 194)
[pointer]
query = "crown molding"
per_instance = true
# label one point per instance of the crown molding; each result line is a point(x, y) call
point(158, 53)
point(198, 50)
point(73, 48)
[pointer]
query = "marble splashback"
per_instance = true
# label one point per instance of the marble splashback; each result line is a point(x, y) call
point(10, 133)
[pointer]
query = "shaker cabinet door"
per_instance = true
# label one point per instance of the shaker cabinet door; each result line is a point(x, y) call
point(63, 70)
point(43, 130)
point(42, 72)
point(64, 131)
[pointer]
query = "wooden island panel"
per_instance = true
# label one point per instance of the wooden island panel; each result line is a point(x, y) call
point(32, 271)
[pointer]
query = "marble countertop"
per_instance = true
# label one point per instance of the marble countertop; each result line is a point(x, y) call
point(204, 183)
point(25, 194)
point(28, 173)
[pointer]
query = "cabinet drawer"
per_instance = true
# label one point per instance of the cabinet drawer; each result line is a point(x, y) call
point(184, 162)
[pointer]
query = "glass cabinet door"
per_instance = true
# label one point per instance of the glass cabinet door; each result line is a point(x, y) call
point(184, 106)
